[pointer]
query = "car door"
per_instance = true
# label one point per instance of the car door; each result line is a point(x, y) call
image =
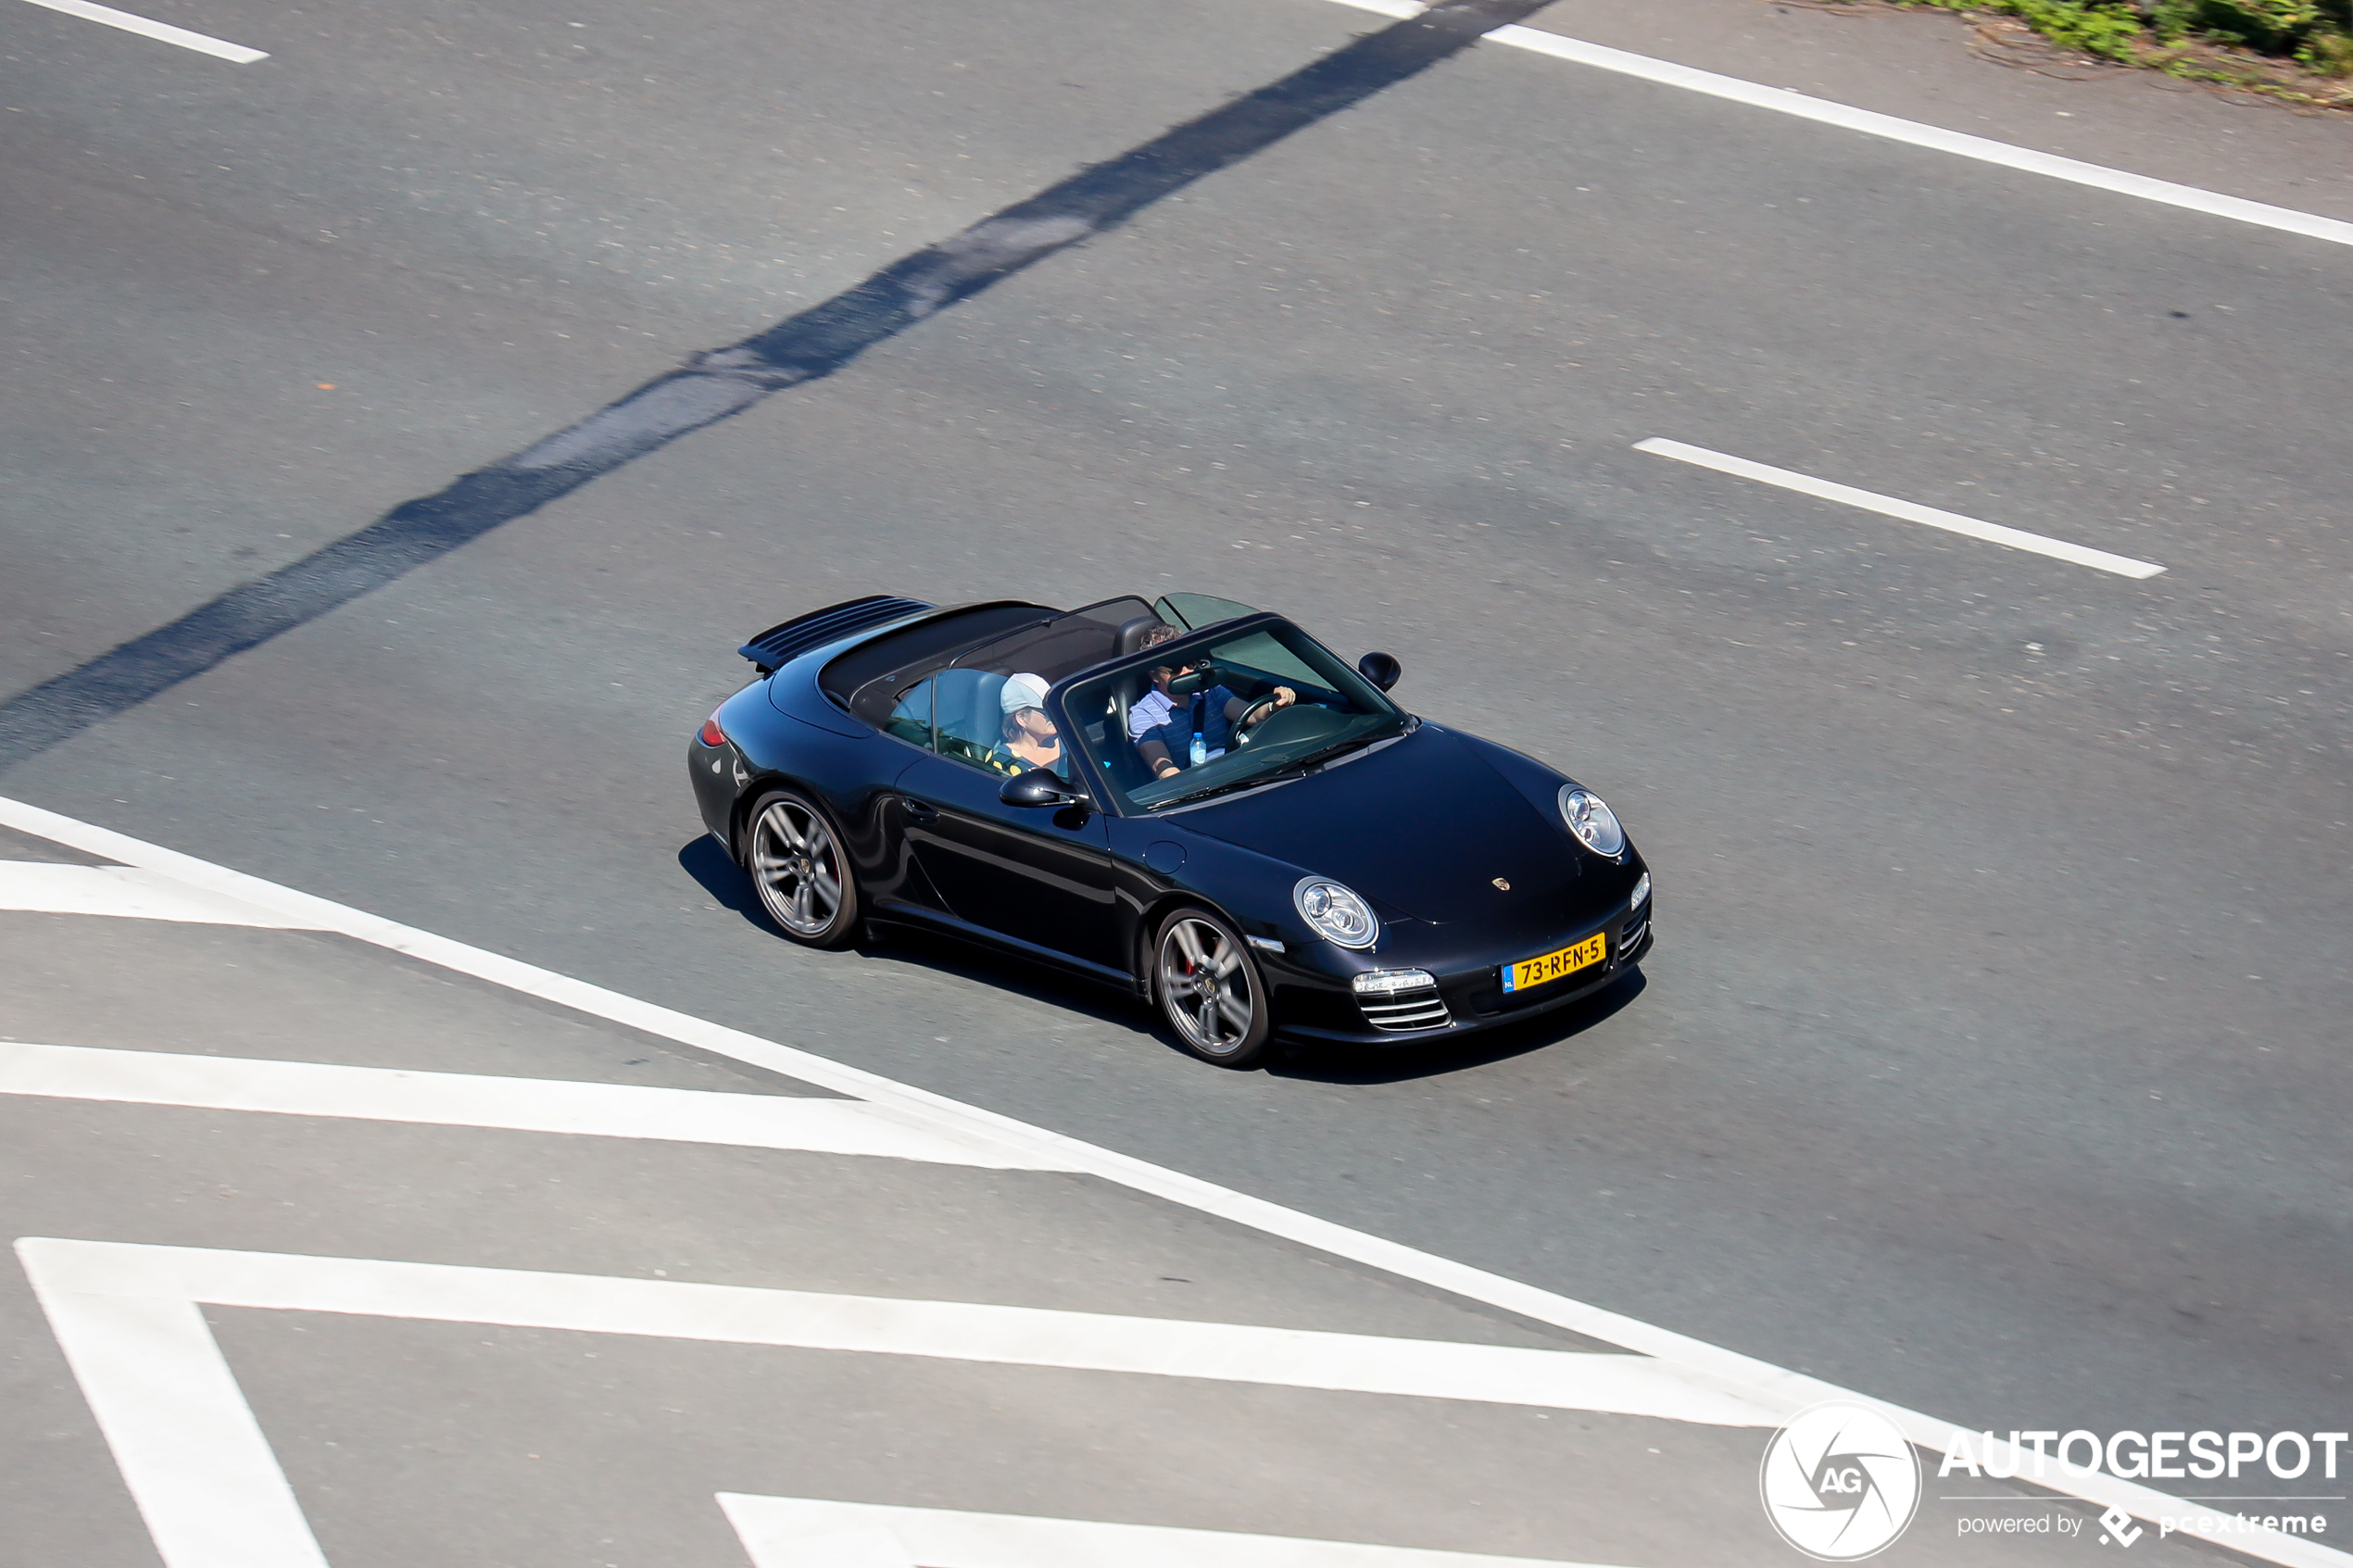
point(1037, 876)
point(895, 882)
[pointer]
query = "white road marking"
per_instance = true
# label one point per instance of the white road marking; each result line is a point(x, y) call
point(530, 1105)
point(213, 1496)
point(235, 54)
point(195, 1460)
point(959, 1331)
point(1758, 1381)
point(1889, 505)
point(124, 891)
point(810, 1533)
point(1781, 100)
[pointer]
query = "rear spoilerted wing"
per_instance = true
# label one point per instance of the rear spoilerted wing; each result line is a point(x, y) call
point(788, 640)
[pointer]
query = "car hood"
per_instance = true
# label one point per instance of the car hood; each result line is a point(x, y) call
point(1422, 825)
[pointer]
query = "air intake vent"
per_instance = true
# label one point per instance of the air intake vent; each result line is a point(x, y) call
point(1403, 1012)
point(781, 643)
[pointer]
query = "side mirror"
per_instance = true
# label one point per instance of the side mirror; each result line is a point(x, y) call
point(1039, 786)
point(1381, 669)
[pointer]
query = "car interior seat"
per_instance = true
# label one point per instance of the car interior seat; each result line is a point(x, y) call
point(1130, 636)
point(1119, 756)
point(1129, 639)
point(971, 717)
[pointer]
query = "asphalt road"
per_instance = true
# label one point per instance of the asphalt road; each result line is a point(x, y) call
point(1987, 1061)
point(644, 1302)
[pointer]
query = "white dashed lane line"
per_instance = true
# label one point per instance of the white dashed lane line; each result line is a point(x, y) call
point(162, 33)
point(1889, 505)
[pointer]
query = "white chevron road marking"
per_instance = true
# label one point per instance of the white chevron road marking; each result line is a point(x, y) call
point(1744, 1378)
point(529, 1105)
point(213, 1495)
point(126, 892)
point(808, 1533)
point(961, 1330)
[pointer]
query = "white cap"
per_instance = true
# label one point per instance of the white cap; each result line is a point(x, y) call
point(1022, 691)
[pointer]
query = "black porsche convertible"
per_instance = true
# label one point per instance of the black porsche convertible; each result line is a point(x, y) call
point(1190, 799)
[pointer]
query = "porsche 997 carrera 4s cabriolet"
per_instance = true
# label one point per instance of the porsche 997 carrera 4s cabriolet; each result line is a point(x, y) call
point(1190, 799)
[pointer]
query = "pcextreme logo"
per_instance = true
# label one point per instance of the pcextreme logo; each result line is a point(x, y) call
point(1839, 1481)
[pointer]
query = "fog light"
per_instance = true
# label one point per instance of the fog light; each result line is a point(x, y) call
point(1641, 892)
point(1389, 982)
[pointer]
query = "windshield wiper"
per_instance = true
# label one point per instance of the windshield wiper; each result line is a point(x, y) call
point(1338, 748)
point(1299, 767)
point(1316, 758)
point(1208, 790)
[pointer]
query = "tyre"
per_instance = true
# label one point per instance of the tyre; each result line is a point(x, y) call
point(1209, 989)
point(800, 870)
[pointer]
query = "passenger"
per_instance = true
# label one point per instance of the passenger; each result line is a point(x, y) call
point(1165, 728)
point(1031, 740)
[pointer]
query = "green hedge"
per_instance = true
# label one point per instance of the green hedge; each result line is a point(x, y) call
point(2316, 33)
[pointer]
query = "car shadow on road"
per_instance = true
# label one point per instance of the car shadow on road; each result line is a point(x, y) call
point(730, 888)
point(1395, 1064)
point(704, 859)
point(1009, 971)
point(724, 881)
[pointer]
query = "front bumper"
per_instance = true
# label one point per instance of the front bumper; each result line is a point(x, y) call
point(1313, 1007)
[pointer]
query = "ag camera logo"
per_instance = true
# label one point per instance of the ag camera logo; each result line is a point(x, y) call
point(1840, 1483)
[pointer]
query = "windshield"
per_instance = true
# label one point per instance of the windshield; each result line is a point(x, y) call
point(1235, 712)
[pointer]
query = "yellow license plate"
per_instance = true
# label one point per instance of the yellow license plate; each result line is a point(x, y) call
point(1531, 972)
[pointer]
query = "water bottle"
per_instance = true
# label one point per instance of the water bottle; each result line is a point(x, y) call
point(1200, 749)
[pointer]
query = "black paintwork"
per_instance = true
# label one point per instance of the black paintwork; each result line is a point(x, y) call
point(1422, 825)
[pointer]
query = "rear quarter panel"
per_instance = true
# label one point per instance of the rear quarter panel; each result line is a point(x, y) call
point(848, 773)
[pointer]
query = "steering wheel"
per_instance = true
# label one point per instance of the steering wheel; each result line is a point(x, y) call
point(1297, 721)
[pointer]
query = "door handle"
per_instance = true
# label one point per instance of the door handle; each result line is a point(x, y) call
point(921, 811)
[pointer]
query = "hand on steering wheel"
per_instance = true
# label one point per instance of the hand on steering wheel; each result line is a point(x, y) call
point(1284, 697)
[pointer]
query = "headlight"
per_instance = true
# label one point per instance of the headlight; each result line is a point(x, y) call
point(1641, 892)
point(1334, 913)
point(1590, 817)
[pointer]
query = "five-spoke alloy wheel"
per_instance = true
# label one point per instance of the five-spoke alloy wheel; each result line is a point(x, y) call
point(798, 864)
point(1209, 989)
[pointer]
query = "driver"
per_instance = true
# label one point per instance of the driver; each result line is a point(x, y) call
point(1172, 731)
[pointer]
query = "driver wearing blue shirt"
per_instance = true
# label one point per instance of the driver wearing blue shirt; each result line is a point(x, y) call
point(1172, 731)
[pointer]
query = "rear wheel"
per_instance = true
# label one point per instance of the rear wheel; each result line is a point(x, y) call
point(1209, 990)
point(798, 863)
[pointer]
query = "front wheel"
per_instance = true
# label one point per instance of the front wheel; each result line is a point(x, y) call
point(798, 864)
point(1209, 990)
